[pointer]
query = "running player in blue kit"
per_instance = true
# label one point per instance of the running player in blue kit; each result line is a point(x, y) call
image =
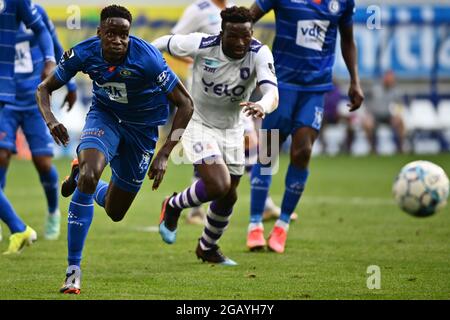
point(132, 85)
point(12, 13)
point(24, 113)
point(304, 54)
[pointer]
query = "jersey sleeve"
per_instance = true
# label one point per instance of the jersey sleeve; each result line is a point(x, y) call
point(266, 5)
point(68, 66)
point(51, 29)
point(265, 70)
point(48, 23)
point(189, 22)
point(28, 14)
point(347, 16)
point(159, 72)
point(57, 47)
point(185, 45)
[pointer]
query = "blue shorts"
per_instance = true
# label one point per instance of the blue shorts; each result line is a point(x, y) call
point(296, 109)
point(33, 126)
point(127, 147)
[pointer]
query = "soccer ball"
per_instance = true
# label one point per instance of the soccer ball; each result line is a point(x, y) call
point(421, 188)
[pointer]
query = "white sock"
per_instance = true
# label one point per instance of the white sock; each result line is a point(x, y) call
point(56, 212)
point(282, 224)
point(269, 203)
point(204, 248)
point(254, 225)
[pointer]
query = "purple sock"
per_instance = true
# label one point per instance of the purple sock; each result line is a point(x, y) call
point(193, 196)
point(217, 220)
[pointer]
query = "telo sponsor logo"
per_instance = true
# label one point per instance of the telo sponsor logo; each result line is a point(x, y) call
point(223, 89)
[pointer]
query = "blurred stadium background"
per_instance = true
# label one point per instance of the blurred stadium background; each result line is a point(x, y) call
point(348, 218)
point(412, 39)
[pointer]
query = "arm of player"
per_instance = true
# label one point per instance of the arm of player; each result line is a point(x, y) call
point(259, 8)
point(267, 81)
point(349, 53)
point(162, 42)
point(67, 68)
point(71, 96)
point(160, 74)
point(43, 92)
point(185, 107)
point(180, 45)
point(267, 104)
point(33, 20)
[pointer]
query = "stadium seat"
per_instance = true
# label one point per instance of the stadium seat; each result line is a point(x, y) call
point(443, 113)
point(422, 115)
point(425, 126)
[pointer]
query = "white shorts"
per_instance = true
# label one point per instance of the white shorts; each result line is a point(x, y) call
point(247, 122)
point(201, 142)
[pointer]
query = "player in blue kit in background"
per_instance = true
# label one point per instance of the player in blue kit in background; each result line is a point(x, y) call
point(304, 53)
point(132, 85)
point(24, 113)
point(12, 12)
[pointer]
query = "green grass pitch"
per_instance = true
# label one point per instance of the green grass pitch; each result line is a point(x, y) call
point(347, 222)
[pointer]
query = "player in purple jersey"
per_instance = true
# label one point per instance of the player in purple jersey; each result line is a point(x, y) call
point(132, 86)
point(213, 141)
point(304, 53)
point(12, 13)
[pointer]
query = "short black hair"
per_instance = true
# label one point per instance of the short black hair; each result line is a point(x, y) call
point(236, 15)
point(115, 11)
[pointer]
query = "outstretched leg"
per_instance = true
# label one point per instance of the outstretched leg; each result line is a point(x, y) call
point(260, 181)
point(196, 215)
point(114, 199)
point(81, 209)
point(214, 183)
point(306, 125)
point(21, 234)
point(295, 181)
point(5, 158)
point(91, 163)
point(217, 219)
point(48, 176)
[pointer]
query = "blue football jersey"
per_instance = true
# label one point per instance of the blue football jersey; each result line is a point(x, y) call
point(29, 62)
point(305, 40)
point(134, 91)
point(12, 12)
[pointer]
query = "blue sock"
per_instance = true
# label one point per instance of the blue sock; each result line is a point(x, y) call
point(2, 178)
point(295, 184)
point(81, 212)
point(50, 183)
point(9, 216)
point(100, 193)
point(260, 185)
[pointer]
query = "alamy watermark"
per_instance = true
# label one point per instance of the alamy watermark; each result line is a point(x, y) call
point(374, 278)
point(210, 146)
point(73, 21)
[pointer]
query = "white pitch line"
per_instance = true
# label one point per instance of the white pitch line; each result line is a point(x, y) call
point(151, 229)
point(350, 200)
point(372, 201)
